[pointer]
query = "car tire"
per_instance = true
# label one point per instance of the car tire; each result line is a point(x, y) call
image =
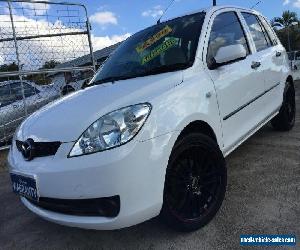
point(285, 120)
point(195, 184)
point(67, 90)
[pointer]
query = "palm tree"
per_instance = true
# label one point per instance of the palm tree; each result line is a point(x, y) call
point(286, 21)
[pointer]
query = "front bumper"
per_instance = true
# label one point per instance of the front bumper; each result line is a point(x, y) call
point(135, 172)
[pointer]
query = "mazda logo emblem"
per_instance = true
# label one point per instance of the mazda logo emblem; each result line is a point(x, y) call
point(27, 149)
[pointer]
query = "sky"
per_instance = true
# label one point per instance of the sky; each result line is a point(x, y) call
point(116, 19)
point(112, 21)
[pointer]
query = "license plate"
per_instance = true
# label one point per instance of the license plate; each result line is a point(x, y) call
point(24, 186)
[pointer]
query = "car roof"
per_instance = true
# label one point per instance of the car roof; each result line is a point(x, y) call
point(212, 9)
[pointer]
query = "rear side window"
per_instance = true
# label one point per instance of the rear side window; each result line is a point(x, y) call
point(270, 31)
point(261, 39)
point(226, 30)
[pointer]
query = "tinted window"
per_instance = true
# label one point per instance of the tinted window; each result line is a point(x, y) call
point(260, 38)
point(5, 96)
point(226, 30)
point(16, 89)
point(29, 90)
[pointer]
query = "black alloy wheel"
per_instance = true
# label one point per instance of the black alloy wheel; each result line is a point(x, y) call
point(290, 108)
point(195, 183)
point(285, 120)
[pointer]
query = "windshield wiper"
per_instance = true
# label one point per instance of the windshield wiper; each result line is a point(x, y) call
point(153, 71)
point(110, 79)
point(166, 68)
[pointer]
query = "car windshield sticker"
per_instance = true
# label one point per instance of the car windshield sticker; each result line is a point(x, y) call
point(165, 31)
point(159, 50)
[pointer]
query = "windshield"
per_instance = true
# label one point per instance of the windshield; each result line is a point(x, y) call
point(165, 47)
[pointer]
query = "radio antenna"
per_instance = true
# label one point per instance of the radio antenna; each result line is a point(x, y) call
point(255, 5)
point(165, 11)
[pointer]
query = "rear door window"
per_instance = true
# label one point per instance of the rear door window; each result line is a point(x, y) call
point(260, 38)
point(270, 31)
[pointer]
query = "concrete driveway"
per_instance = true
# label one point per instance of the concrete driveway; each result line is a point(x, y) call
point(263, 197)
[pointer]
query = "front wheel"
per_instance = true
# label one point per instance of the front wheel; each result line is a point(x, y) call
point(195, 184)
point(67, 90)
point(285, 120)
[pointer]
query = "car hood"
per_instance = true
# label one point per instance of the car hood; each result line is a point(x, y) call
point(66, 119)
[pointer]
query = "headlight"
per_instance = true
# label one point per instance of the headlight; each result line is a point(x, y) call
point(112, 130)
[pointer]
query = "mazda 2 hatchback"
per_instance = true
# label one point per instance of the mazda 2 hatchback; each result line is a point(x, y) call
point(150, 135)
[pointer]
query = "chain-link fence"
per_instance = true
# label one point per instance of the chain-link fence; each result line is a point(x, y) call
point(45, 53)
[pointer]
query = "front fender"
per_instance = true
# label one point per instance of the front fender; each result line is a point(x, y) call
point(194, 99)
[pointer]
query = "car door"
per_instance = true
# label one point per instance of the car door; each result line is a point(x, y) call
point(12, 109)
point(270, 55)
point(34, 99)
point(237, 84)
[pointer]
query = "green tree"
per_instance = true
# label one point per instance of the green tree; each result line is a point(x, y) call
point(50, 64)
point(287, 19)
point(288, 34)
point(43, 78)
point(9, 68)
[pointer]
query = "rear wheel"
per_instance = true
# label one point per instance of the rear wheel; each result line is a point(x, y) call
point(285, 120)
point(195, 184)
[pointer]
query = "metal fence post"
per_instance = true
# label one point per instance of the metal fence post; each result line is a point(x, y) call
point(17, 54)
point(88, 28)
point(43, 52)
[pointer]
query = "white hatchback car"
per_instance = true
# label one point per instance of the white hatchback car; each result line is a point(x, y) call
point(149, 137)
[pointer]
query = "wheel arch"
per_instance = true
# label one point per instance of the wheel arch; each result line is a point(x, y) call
point(198, 126)
point(290, 80)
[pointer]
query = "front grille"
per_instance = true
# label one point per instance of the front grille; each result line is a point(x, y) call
point(104, 207)
point(41, 149)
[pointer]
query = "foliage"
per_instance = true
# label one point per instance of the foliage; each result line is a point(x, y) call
point(287, 19)
point(289, 34)
point(9, 68)
point(40, 79)
point(50, 64)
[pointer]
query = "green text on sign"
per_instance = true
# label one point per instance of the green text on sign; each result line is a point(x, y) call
point(159, 50)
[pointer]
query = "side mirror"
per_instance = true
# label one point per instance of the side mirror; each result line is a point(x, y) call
point(229, 54)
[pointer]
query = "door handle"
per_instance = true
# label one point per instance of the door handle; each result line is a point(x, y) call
point(278, 54)
point(255, 65)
